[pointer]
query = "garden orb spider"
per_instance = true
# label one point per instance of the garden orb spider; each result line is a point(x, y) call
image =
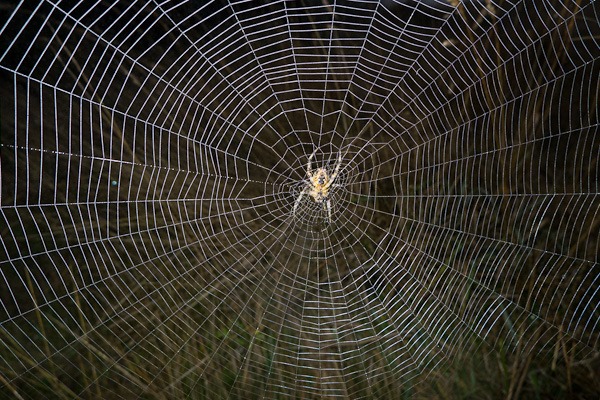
point(318, 184)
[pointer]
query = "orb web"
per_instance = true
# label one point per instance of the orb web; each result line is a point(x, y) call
point(158, 239)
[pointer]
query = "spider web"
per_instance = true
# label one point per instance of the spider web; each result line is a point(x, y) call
point(152, 155)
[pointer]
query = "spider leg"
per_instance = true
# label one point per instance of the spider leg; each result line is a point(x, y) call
point(309, 166)
point(338, 165)
point(331, 179)
point(298, 200)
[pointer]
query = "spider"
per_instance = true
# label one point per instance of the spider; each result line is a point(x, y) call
point(318, 184)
